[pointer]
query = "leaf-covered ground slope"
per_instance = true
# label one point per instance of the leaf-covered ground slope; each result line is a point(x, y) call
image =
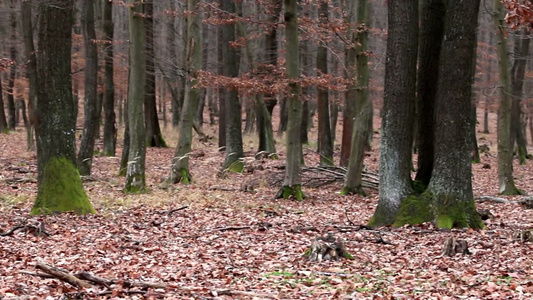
point(233, 237)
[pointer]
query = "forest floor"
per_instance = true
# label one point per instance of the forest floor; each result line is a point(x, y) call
point(225, 237)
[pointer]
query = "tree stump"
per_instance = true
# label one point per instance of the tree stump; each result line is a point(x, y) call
point(453, 246)
point(327, 248)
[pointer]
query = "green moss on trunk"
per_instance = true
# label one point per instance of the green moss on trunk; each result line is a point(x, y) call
point(135, 184)
point(287, 192)
point(183, 176)
point(451, 213)
point(353, 191)
point(415, 210)
point(236, 167)
point(61, 190)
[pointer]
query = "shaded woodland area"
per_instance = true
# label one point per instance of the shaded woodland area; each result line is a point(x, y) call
point(266, 149)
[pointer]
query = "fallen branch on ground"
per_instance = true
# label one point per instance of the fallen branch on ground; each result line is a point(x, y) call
point(482, 199)
point(37, 229)
point(62, 275)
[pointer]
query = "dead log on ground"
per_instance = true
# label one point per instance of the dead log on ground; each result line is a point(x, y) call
point(62, 275)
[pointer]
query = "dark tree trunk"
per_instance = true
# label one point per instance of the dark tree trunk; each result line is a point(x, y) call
point(154, 138)
point(271, 47)
point(398, 110)
point(110, 128)
point(325, 144)
point(135, 170)
point(304, 130)
point(451, 183)
point(31, 69)
point(431, 35)
point(126, 145)
point(517, 82)
point(11, 110)
point(90, 122)
point(234, 148)
point(3, 121)
point(221, 97)
point(59, 185)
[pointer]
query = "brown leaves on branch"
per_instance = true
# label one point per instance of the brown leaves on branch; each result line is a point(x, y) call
point(519, 13)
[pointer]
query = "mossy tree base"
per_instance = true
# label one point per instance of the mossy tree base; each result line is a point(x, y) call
point(61, 190)
point(181, 176)
point(444, 210)
point(294, 192)
point(512, 190)
point(353, 191)
point(235, 167)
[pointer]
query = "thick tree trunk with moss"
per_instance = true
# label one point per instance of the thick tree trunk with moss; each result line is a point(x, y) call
point(505, 147)
point(292, 182)
point(234, 149)
point(110, 128)
point(449, 199)
point(31, 71)
point(325, 143)
point(180, 162)
point(517, 78)
point(90, 122)
point(154, 138)
point(59, 185)
point(135, 175)
point(431, 34)
point(363, 108)
point(398, 110)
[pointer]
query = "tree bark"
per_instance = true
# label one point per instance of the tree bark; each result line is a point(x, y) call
point(398, 110)
point(505, 147)
point(234, 148)
point(110, 128)
point(363, 108)
point(180, 163)
point(292, 182)
point(325, 143)
point(59, 185)
point(154, 138)
point(451, 183)
point(431, 35)
point(135, 175)
point(517, 82)
point(10, 91)
point(3, 120)
point(90, 122)
point(31, 70)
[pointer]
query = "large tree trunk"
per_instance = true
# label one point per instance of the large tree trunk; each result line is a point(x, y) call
point(59, 185)
point(234, 150)
point(90, 122)
point(517, 82)
point(110, 128)
point(451, 183)
point(154, 138)
point(398, 110)
point(292, 182)
point(31, 70)
point(325, 143)
point(180, 162)
point(363, 109)
point(505, 147)
point(431, 34)
point(135, 176)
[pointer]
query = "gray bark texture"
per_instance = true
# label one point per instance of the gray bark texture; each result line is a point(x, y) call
point(110, 128)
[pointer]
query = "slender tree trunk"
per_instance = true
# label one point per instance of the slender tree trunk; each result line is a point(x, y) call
point(234, 149)
point(271, 47)
point(292, 182)
point(180, 163)
point(90, 121)
point(31, 70)
point(505, 147)
point(451, 182)
point(154, 138)
point(11, 118)
point(59, 185)
point(3, 120)
point(110, 128)
point(476, 159)
point(363, 109)
point(135, 175)
point(304, 130)
point(431, 35)
point(517, 82)
point(398, 110)
point(325, 143)
point(126, 144)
